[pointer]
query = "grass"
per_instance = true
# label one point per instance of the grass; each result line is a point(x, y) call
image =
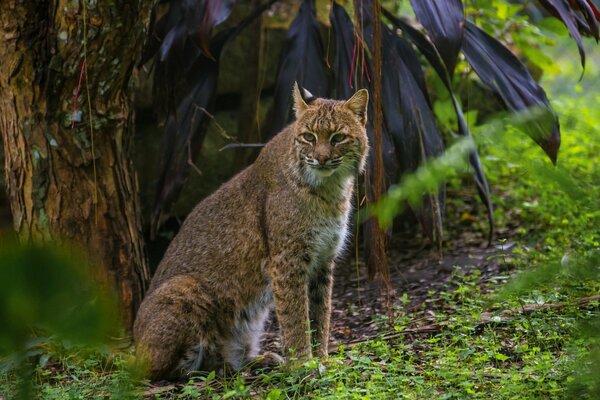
point(481, 344)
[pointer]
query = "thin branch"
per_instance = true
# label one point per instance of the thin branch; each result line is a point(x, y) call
point(240, 145)
point(220, 129)
point(190, 160)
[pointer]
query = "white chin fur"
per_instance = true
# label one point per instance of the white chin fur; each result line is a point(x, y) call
point(315, 177)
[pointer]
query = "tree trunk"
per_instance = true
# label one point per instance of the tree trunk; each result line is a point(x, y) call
point(69, 173)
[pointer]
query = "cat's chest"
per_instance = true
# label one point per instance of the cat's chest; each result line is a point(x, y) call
point(326, 237)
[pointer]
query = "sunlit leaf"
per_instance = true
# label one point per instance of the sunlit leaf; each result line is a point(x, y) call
point(426, 179)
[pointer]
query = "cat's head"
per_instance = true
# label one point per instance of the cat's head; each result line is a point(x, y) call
point(330, 135)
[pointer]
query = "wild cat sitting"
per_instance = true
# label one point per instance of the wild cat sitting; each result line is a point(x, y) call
point(269, 235)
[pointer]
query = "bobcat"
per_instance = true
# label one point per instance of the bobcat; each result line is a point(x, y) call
point(269, 235)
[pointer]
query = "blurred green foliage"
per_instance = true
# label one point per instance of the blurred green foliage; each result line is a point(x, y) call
point(426, 179)
point(46, 291)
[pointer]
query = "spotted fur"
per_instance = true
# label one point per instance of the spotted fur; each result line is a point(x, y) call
point(269, 236)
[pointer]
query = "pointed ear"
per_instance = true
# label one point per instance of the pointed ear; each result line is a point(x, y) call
point(358, 105)
point(299, 104)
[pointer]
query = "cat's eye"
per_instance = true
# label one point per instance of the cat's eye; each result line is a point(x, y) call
point(337, 138)
point(309, 137)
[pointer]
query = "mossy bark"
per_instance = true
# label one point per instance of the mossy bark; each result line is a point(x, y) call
point(74, 182)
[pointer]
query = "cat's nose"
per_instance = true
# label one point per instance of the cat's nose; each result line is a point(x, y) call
point(322, 159)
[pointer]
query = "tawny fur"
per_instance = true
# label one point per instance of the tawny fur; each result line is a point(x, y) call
point(268, 236)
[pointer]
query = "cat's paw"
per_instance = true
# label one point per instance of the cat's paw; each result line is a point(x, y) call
point(267, 360)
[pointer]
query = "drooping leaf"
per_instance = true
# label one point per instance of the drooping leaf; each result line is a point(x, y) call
point(411, 122)
point(346, 45)
point(408, 117)
point(201, 22)
point(561, 10)
point(302, 61)
point(158, 28)
point(193, 75)
point(591, 16)
point(503, 73)
point(406, 107)
point(429, 51)
point(584, 12)
point(444, 22)
point(595, 10)
point(351, 72)
point(178, 37)
point(184, 133)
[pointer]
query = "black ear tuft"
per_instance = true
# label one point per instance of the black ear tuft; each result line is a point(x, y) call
point(300, 105)
point(307, 96)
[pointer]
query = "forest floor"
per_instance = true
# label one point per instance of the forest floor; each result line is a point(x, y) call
point(519, 319)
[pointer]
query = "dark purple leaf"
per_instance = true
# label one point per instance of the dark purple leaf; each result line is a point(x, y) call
point(594, 9)
point(591, 19)
point(408, 118)
point(345, 48)
point(562, 11)
point(186, 78)
point(444, 22)
point(411, 122)
point(351, 73)
point(429, 51)
point(503, 73)
point(213, 13)
point(167, 43)
point(302, 61)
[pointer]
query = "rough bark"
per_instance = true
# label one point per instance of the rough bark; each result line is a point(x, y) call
point(74, 183)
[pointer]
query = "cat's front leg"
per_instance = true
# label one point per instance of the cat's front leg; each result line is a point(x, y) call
point(289, 280)
point(320, 288)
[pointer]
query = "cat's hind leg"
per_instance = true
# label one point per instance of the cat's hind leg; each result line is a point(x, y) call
point(169, 330)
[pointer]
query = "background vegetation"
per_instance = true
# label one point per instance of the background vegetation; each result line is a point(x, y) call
point(533, 335)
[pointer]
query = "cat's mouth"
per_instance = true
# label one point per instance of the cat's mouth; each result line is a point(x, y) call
point(329, 165)
point(322, 170)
